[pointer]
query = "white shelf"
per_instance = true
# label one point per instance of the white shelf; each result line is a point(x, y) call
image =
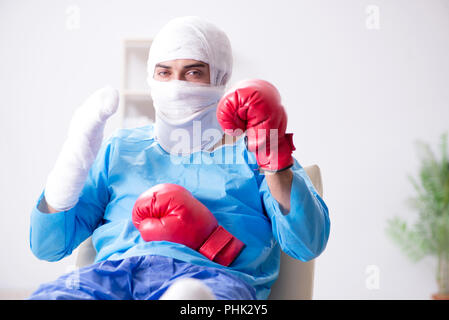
point(136, 94)
point(136, 104)
point(137, 43)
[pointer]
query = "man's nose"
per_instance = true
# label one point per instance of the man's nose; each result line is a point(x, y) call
point(178, 76)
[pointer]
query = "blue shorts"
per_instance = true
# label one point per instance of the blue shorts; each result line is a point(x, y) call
point(140, 278)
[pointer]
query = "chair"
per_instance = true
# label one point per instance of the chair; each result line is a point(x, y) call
point(295, 281)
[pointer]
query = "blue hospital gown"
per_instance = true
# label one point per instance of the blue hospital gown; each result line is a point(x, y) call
point(226, 181)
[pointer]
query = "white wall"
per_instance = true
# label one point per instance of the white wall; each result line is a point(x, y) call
point(357, 98)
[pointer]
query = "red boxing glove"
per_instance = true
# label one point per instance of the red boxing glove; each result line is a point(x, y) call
point(255, 106)
point(170, 212)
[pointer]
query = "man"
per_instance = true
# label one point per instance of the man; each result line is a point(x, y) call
point(248, 185)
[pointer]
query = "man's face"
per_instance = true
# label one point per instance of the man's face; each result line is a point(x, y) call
point(182, 69)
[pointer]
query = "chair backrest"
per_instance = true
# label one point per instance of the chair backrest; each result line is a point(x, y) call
point(295, 281)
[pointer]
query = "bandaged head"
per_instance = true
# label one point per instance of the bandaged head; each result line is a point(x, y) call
point(186, 111)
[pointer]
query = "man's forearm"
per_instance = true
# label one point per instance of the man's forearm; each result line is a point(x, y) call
point(280, 185)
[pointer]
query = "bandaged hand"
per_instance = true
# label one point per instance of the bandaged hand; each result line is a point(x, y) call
point(254, 107)
point(169, 212)
point(84, 138)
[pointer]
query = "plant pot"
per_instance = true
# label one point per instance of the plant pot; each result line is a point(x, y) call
point(440, 296)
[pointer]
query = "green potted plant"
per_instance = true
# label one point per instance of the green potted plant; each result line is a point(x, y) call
point(429, 234)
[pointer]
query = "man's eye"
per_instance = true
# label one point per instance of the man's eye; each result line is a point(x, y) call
point(195, 73)
point(162, 73)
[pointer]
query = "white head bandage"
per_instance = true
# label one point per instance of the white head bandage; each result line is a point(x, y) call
point(193, 38)
point(181, 104)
